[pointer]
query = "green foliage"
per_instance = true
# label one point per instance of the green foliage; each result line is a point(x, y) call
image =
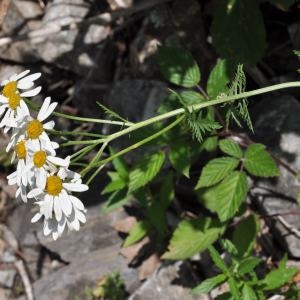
point(139, 230)
point(241, 275)
point(178, 66)
point(244, 235)
point(145, 170)
point(238, 111)
point(231, 148)
point(218, 80)
point(258, 162)
point(192, 237)
point(179, 156)
point(216, 170)
point(200, 126)
point(238, 31)
point(226, 198)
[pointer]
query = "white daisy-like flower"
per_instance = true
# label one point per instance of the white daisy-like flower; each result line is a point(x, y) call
point(42, 162)
point(35, 128)
point(21, 177)
point(57, 203)
point(11, 99)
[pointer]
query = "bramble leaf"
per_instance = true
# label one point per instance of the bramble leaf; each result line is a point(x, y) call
point(231, 148)
point(145, 170)
point(216, 170)
point(258, 162)
point(248, 293)
point(193, 236)
point(226, 198)
point(248, 264)
point(178, 66)
point(180, 156)
point(207, 285)
point(138, 231)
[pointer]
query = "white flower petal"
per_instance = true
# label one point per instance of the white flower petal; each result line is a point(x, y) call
point(76, 202)
point(19, 76)
point(57, 161)
point(34, 193)
point(27, 82)
point(65, 203)
point(80, 216)
point(57, 208)
point(36, 217)
point(49, 125)
point(31, 93)
point(43, 109)
point(75, 187)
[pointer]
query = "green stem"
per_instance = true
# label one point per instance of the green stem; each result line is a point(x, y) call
point(139, 144)
point(79, 133)
point(91, 120)
point(197, 107)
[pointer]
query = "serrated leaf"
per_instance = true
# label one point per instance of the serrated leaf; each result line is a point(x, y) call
point(218, 80)
point(278, 277)
point(258, 162)
point(120, 165)
point(116, 200)
point(113, 186)
point(248, 293)
point(242, 43)
point(216, 170)
point(191, 98)
point(145, 170)
point(178, 66)
point(226, 198)
point(244, 235)
point(217, 259)
point(229, 247)
point(248, 264)
point(233, 287)
point(231, 148)
point(180, 157)
point(139, 230)
point(207, 285)
point(192, 237)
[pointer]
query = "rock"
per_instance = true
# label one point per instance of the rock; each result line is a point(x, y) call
point(92, 253)
point(3, 294)
point(7, 278)
point(277, 125)
point(165, 284)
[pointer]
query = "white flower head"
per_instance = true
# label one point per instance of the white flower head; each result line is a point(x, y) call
point(12, 101)
point(58, 206)
point(35, 128)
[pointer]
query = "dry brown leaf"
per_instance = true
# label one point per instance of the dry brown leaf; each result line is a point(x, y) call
point(125, 225)
point(149, 266)
point(132, 251)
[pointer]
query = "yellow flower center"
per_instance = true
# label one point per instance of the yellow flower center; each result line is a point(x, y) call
point(53, 185)
point(34, 129)
point(39, 158)
point(10, 89)
point(21, 150)
point(14, 101)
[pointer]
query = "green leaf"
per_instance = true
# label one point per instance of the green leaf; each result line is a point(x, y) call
point(145, 170)
point(233, 287)
point(226, 198)
point(225, 296)
point(116, 200)
point(192, 237)
point(166, 193)
point(180, 156)
point(207, 285)
point(120, 165)
point(238, 31)
point(217, 259)
point(247, 265)
point(191, 98)
point(248, 293)
point(201, 126)
point(216, 170)
point(178, 66)
point(157, 217)
point(258, 162)
point(278, 277)
point(218, 80)
point(139, 230)
point(113, 186)
point(231, 148)
point(244, 235)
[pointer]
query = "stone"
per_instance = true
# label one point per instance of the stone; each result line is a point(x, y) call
point(7, 277)
point(91, 253)
point(277, 125)
point(166, 284)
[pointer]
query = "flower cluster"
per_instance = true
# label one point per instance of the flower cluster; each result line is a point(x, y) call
point(40, 175)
